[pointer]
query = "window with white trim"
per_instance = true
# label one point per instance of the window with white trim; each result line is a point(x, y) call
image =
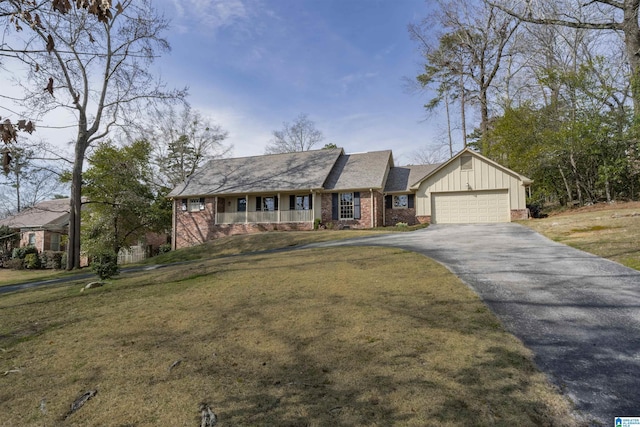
point(269, 204)
point(32, 239)
point(302, 203)
point(400, 201)
point(196, 205)
point(346, 206)
point(242, 204)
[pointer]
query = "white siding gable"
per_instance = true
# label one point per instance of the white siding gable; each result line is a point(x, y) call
point(483, 175)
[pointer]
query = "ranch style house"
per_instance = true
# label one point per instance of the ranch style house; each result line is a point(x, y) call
point(329, 188)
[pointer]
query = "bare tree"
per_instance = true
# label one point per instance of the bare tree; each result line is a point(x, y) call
point(466, 59)
point(603, 15)
point(29, 11)
point(301, 135)
point(182, 142)
point(29, 180)
point(430, 155)
point(95, 66)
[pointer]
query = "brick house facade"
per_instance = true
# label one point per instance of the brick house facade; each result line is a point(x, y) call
point(297, 191)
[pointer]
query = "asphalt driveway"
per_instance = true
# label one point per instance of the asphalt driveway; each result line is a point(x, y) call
point(578, 313)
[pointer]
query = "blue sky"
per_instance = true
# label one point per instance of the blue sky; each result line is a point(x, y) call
point(251, 65)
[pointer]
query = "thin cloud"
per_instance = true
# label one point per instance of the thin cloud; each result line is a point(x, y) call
point(210, 14)
point(355, 80)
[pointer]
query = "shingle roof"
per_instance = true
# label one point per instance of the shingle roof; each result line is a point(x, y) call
point(270, 173)
point(363, 170)
point(467, 150)
point(402, 178)
point(48, 214)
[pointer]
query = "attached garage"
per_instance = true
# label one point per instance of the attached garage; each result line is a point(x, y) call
point(470, 207)
point(470, 188)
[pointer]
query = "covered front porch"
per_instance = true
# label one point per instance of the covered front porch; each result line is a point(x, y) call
point(264, 217)
point(266, 209)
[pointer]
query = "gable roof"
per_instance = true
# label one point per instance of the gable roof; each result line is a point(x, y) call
point(401, 179)
point(269, 173)
point(524, 179)
point(357, 171)
point(48, 214)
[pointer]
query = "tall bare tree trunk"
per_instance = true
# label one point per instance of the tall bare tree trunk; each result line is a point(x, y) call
point(631, 31)
point(576, 177)
point(75, 205)
point(566, 184)
point(463, 115)
point(446, 106)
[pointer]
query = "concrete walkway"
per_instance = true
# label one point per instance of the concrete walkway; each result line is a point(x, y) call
point(578, 313)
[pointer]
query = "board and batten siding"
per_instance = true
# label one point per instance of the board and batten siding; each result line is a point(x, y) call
point(482, 176)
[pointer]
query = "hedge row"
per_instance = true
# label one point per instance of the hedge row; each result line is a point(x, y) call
point(28, 257)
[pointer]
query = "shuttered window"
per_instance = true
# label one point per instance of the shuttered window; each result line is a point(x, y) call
point(346, 205)
point(267, 204)
point(399, 201)
point(299, 203)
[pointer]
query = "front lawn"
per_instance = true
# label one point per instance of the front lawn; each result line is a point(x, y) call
point(610, 231)
point(340, 336)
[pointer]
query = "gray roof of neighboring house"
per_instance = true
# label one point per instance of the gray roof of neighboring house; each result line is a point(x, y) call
point(402, 178)
point(48, 214)
point(270, 173)
point(363, 170)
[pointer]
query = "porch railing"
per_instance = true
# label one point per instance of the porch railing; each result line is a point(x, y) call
point(264, 217)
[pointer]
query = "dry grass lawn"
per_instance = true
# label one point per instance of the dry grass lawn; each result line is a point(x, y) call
point(10, 277)
point(609, 231)
point(324, 337)
point(228, 246)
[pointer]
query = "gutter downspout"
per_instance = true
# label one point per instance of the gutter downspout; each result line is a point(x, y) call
point(373, 212)
point(384, 209)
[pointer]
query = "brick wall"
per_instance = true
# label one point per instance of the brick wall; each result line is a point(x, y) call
point(366, 213)
point(39, 239)
point(517, 214)
point(394, 216)
point(223, 230)
point(423, 219)
point(193, 228)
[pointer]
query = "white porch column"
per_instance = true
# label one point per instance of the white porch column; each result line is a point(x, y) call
point(246, 210)
point(313, 206)
point(279, 207)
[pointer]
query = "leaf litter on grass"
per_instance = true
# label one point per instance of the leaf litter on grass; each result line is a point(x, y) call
point(300, 338)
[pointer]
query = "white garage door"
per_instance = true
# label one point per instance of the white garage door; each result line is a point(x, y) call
point(470, 207)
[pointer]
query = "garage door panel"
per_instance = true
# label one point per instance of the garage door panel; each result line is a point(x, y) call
point(470, 207)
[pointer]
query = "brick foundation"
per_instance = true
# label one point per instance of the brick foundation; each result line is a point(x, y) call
point(394, 216)
point(223, 230)
point(423, 219)
point(517, 214)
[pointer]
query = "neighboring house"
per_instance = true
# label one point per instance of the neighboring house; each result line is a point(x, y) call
point(43, 225)
point(293, 191)
point(46, 224)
